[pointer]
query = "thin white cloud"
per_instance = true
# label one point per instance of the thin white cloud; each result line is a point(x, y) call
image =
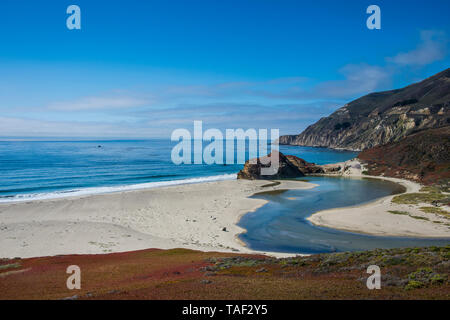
point(431, 49)
point(97, 103)
point(359, 79)
point(18, 127)
point(286, 103)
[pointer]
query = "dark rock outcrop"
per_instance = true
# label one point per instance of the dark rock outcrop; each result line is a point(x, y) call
point(289, 167)
point(285, 169)
point(305, 167)
point(423, 157)
point(382, 117)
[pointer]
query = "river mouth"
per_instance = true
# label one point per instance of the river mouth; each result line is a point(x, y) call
point(281, 225)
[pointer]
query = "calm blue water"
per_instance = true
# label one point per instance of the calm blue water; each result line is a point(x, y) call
point(281, 225)
point(39, 170)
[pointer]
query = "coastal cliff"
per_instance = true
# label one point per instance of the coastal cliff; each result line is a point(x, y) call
point(423, 157)
point(382, 117)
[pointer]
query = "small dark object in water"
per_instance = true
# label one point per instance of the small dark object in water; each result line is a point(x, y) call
point(99, 146)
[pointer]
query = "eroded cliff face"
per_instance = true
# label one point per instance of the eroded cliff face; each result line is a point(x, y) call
point(381, 118)
point(423, 157)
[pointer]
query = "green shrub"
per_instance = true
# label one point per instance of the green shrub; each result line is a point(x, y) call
point(413, 284)
point(437, 279)
point(398, 212)
point(416, 198)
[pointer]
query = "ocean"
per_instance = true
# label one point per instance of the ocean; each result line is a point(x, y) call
point(31, 170)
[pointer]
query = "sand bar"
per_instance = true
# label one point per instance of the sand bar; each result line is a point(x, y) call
point(374, 218)
point(197, 216)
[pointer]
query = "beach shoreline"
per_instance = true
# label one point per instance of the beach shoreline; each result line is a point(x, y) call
point(202, 216)
point(376, 218)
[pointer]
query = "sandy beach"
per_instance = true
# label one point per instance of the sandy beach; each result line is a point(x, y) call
point(375, 219)
point(196, 216)
point(199, 216)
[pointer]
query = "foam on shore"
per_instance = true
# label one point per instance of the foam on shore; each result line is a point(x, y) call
point(112, 189)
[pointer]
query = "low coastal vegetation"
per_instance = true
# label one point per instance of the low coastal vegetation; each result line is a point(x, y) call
point(419, 198)
point(398, 212)
point(422, 156)
point(432, 196)
point(434, 189)
point(9, 266)
point(420, 218)
point(407, 273)
point(435, 210)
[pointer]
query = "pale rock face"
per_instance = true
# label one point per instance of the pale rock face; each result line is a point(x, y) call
point(425, 111)
point(381, 118)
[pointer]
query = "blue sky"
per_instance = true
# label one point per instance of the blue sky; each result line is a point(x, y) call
point(140, 69)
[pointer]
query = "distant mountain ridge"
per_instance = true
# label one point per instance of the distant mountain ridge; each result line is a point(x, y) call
point(382, 117)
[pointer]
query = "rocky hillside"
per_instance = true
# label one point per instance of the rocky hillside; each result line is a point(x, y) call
point(423, 156)
point(381, 117)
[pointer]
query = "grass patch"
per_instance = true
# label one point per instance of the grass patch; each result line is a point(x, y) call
point(435, 210)
point(416, 198)
point(437, 279)
point(10, 266)
point(420, 218)
point(423, 277)
point(172, 252)
point(413, 284)
point(431, 189)
point(398, 212)
point(273, 184)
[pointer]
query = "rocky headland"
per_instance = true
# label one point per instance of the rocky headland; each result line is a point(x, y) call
point(381, 117)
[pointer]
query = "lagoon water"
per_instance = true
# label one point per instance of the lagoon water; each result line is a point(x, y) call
point(281, 225)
